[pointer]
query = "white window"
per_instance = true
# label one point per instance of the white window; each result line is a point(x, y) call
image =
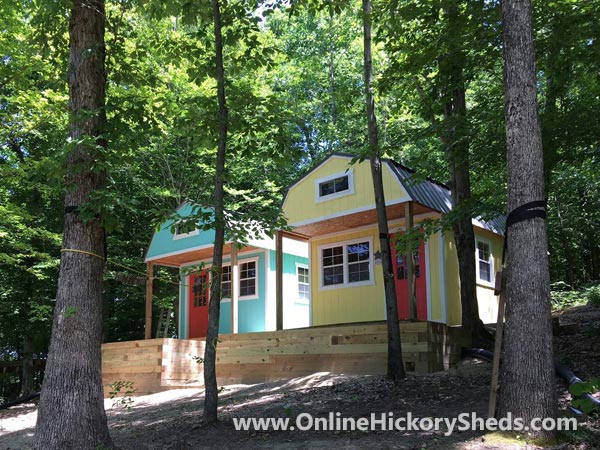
point(226, 282)
point(346, 264)
point(248, 279)
point(303, 283)
point(185, 229)
point(485, 263)
point(334, 186)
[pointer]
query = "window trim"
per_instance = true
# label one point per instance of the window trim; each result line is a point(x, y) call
point(245, 261)
point(491, 262)
point(303, 301)
point(178, 235)
point(240, 262)
point(344, 245)
point(349, 173)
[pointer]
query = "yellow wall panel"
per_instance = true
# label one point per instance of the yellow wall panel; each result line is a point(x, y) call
point(487, 301)
point(453, 307)
point(346, 304)
point(301, 202)
point(435, 291)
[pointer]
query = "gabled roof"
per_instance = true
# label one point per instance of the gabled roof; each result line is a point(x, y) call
point(427, 192)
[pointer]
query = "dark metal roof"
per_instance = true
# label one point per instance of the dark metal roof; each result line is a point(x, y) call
point(427, 192)
point(436, 195)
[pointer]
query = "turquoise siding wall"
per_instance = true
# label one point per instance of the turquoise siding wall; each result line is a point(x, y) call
point(296, 312)
point(163, 240)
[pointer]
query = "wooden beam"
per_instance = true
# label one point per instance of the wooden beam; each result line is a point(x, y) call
point(149, 280)
point(500, 289)
point(294, 236)
point(410, 263)
point(235, 288)
point(279, 280)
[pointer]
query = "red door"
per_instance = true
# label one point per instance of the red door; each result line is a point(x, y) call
point(400, 274)
point(198, 297)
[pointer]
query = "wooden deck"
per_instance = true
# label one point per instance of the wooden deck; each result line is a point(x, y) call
point(159, 364)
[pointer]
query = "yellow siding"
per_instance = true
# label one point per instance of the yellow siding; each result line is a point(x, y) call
point(434, 278)
point(487, 301)
point(300, 204)
point(348, 304)
point(454, 309)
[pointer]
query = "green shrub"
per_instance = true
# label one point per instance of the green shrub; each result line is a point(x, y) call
point(585, 387)
point(562, 299)
point(593, 296)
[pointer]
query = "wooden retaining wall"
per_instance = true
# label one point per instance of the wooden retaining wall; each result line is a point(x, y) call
point(159, 364)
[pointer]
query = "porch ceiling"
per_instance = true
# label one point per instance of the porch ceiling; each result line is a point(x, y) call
point(194, 255)
point(359, 219)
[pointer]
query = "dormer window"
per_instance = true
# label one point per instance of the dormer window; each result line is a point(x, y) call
point(335, 186)
point(185, 229)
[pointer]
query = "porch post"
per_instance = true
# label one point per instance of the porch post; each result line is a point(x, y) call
point(235, 287)
point(149, 279)
point(279, 280)
point(410, 263)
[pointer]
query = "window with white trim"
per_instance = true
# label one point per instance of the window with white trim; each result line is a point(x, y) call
point(346, 264)
point(226, 282)
point(484, 261)
point(303, 282)
point(334, 186)
point(185, 228)
point(248, 279)
point(332, 260)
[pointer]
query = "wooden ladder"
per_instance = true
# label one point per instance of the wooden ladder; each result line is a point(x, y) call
point(164, 319)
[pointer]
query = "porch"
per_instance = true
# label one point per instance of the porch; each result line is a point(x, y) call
point(159, 364)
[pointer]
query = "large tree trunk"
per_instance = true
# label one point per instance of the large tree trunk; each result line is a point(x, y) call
point(71, 412)
point(211, 393)
point(456, 140)
point(527, 374)
point(395, 370)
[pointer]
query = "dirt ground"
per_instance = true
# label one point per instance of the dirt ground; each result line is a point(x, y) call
point(171, 420)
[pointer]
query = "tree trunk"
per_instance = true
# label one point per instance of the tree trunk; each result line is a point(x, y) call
point(71, 412)
point(395, 370)
point(527, 376)
point(211, 393)
point(456, 141)
point(27, 372)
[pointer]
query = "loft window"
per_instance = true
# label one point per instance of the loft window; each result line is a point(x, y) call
point(185, 228)
point(303, 283)
point(334, 186)
point(346, 264)
point(484, 262)
point(248, 279)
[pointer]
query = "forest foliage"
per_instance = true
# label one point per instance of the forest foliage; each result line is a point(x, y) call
point(295, 94)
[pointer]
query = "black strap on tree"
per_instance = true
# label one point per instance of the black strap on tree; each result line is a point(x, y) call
point(71, 209)
point(528, 211)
